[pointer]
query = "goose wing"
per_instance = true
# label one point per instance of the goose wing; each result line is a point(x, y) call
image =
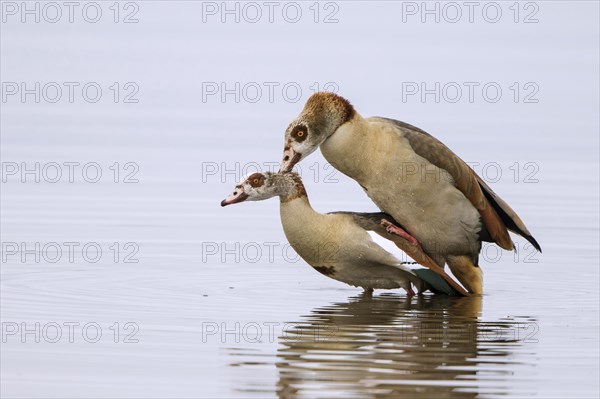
point(497, 216)
point(372, 222)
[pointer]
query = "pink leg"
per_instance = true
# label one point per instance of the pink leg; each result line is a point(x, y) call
point(393, 229)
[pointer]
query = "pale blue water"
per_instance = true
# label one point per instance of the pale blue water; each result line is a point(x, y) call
point(218, 305)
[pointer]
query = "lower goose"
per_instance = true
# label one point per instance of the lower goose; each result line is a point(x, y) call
point(338, 244)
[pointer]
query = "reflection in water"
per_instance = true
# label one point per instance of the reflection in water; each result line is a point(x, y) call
point(390, 346)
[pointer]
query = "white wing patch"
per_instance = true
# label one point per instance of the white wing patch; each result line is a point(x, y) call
point(392, 248)
point(389, 246)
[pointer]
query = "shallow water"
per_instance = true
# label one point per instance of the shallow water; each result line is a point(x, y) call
point(198, 301)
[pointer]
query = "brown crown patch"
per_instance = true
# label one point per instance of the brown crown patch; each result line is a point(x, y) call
point(329, 100)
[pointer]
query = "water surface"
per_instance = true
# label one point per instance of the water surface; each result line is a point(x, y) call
point(193, 300)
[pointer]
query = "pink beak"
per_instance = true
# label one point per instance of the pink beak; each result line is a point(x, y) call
point(237, 196)
point(290, 159)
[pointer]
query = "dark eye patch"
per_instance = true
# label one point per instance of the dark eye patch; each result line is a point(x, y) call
point(299, 133)
point(256, 179)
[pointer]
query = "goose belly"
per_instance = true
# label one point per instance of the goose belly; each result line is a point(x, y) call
point(442, 219)
point(332, 246)
point(367, 276)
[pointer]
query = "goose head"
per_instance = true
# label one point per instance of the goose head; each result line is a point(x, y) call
point(262, 186)
point(251, 189)
point(322, 115)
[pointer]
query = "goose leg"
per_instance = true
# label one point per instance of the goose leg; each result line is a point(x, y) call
point(393, 229)
point(413, 249)
point(422, 287)
point(368, 291)
point(467, 272)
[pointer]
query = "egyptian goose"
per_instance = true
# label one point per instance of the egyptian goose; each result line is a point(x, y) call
point(438, 200)
point(338, 244)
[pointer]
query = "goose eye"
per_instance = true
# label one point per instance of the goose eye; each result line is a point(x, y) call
point(255, 181)
point(300, 133)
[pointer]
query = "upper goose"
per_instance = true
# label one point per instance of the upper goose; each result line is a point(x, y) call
point(435, 196)
point(338, 245)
